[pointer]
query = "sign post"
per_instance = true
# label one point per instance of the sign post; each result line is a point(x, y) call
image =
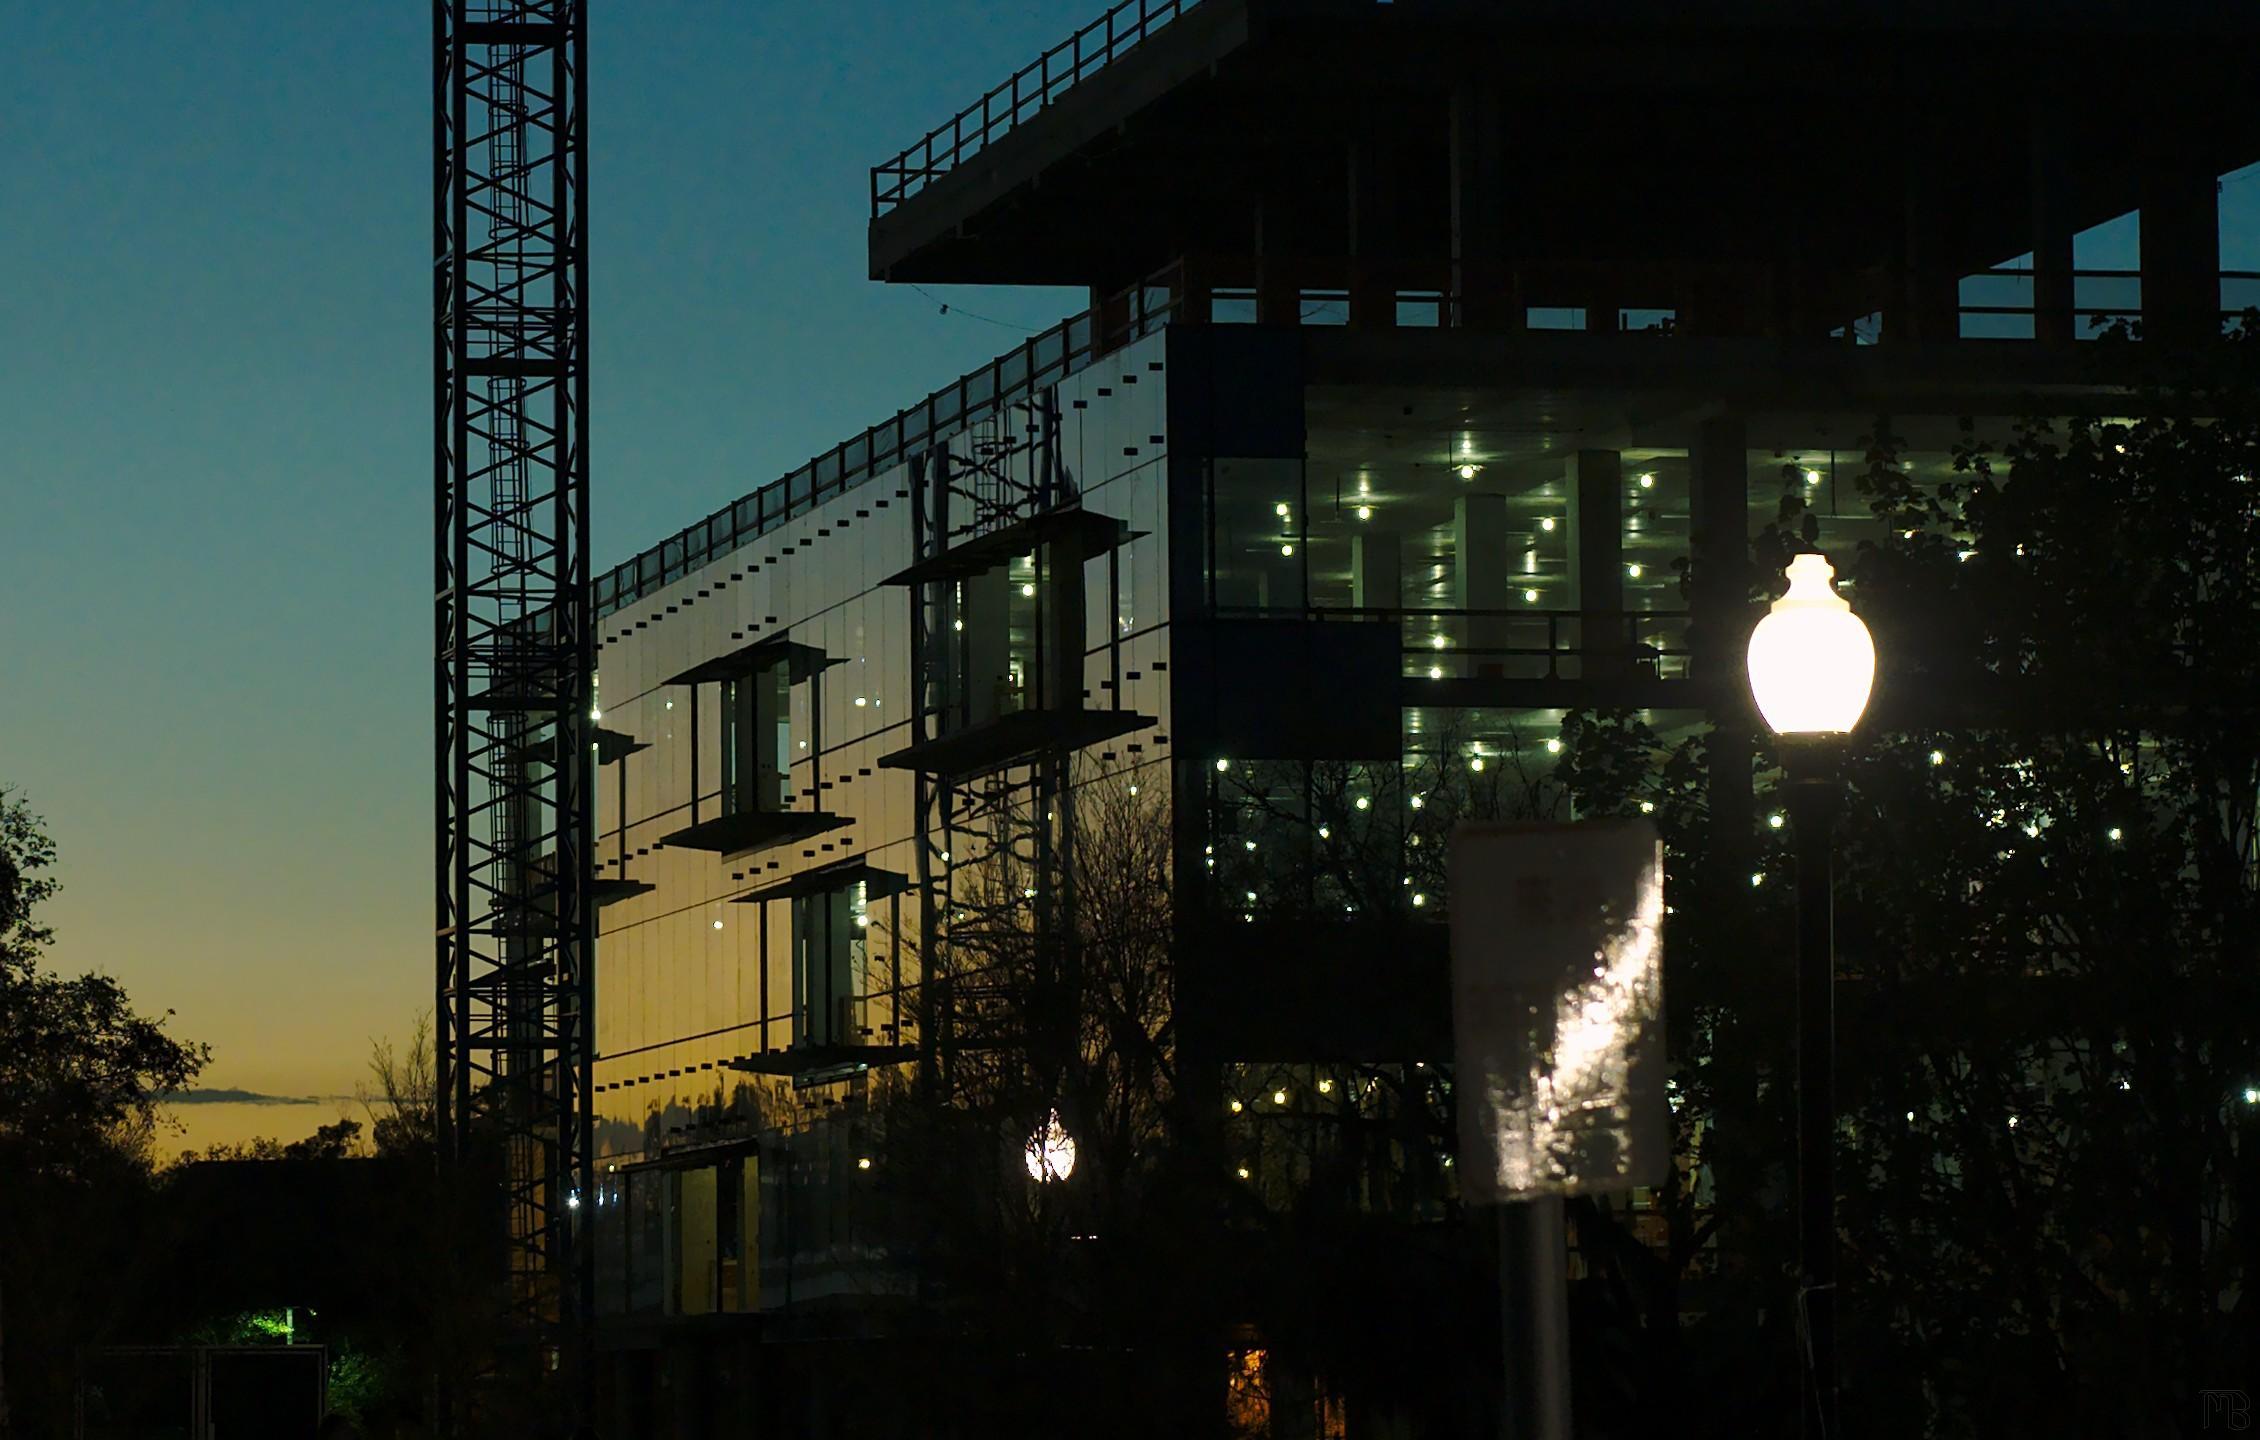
point(1558, 1029)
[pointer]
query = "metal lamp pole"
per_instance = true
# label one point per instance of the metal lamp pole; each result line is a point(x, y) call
point(1814, 800)
point(1811, 667)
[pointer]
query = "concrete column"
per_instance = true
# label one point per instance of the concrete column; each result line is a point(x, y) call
point(2181, 253)
point(1719, 633)
point(1483, 578)
point(1720, 621)
point(1595, 484)
point(1372, 233)
point(2053, 291)
point(1481, 280)
point(1110, 318)
point(1195, 302)
point(1278, 292)
point(1377, 570)
point(1930, 300)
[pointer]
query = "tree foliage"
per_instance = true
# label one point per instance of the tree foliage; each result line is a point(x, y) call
point(77, 1062)
point(402, 1100)
point(82, 1074)
point(336, 1141)
point(2049, 1166)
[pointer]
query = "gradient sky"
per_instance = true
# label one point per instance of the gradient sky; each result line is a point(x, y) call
point(215, 466)
point(215, 417)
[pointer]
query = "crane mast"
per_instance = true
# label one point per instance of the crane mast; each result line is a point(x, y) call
point(515, 659)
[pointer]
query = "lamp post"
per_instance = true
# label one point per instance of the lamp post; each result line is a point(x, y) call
point(1050, 1152)
point(1811, 667)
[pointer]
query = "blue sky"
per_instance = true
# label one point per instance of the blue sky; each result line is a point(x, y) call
point(215, 396)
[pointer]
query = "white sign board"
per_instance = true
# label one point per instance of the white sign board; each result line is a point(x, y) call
point(1558, 1008)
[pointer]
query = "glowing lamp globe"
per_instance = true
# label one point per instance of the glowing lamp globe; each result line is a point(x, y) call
point(1051, 1151)
point(1811, 661)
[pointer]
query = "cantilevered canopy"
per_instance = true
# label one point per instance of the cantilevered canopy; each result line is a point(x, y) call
point(994, 743)
point(753, 830)
point(805, 660)
point(825, 879)
point(1091, 533)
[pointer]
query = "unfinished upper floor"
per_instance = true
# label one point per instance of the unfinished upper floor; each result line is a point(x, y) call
point(1751, 168)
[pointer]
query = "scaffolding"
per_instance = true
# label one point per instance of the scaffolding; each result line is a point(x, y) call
point(995, 878)
point(515, 656)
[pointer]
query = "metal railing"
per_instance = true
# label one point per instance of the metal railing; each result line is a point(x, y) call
point(1042, 360)
point(1030, 91)
point(2100, 299)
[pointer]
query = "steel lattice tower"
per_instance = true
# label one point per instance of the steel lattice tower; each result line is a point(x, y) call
point(515, 651)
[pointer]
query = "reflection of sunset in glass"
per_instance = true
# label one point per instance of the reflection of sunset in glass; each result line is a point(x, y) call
point(1583, 1084)
point(1557, 975)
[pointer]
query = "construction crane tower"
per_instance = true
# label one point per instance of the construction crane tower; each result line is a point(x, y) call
point(515, 657)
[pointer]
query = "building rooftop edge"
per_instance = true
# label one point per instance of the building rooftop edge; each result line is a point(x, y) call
point(1044, 359)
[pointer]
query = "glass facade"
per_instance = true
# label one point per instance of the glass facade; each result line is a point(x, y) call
point(757, 992)
point(1335, 619)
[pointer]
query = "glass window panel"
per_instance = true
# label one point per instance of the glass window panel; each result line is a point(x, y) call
point(697, 1250)
point(1256, 519)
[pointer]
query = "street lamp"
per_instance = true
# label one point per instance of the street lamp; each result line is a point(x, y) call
point(1050, 1153)
point(1811, 667)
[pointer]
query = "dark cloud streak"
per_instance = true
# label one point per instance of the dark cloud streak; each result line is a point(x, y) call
point(240, 1097)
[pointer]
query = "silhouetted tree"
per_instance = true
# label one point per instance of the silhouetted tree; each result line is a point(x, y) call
point(82, 1074)
point(2048, 872)
point(403, 1108)
point(334, 1141)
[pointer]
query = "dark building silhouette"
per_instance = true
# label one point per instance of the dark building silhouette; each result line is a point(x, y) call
point(1442, 360)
